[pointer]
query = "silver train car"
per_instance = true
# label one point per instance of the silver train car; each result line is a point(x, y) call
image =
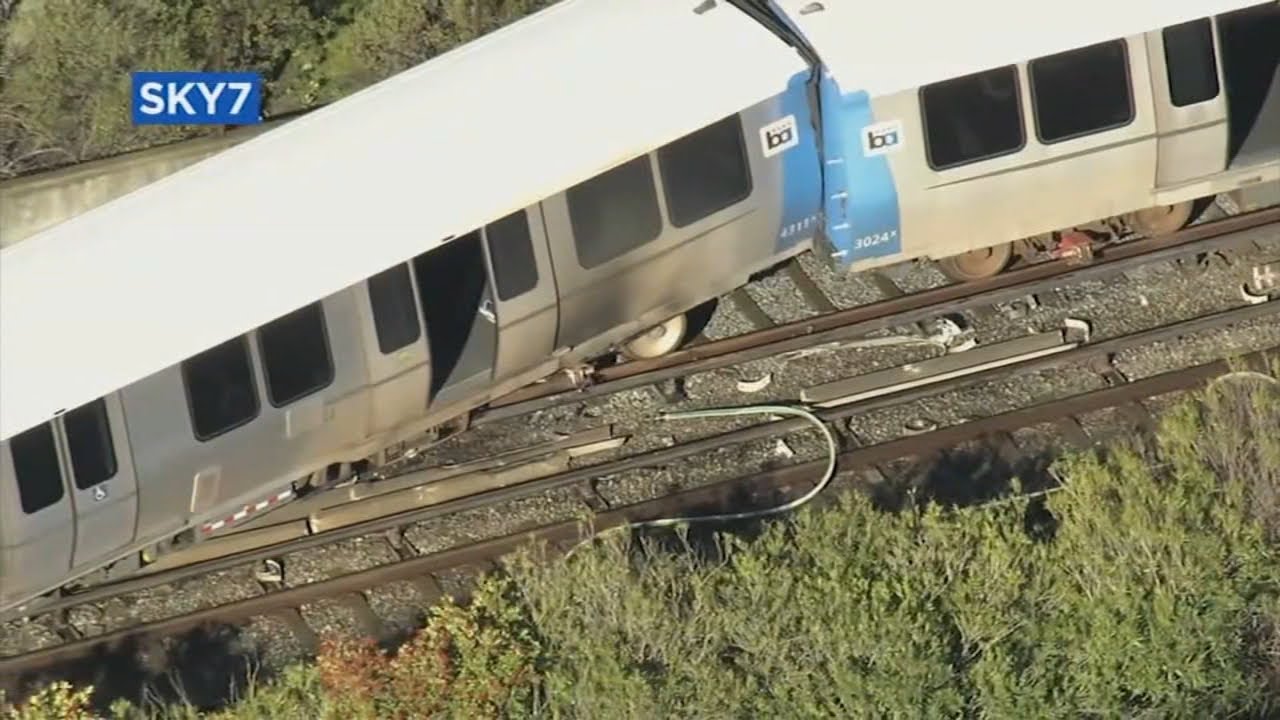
point(1040, 156)
point(303, 399)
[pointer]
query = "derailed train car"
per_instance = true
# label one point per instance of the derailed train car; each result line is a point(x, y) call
point(299, 400)
point(331, 322)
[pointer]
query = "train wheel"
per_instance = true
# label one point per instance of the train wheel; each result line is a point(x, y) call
point(1161, 220)
point(977, 264)
point(657, 340)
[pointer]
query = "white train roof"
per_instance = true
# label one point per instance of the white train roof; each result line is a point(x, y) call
point(883, 48)
point(145, 281)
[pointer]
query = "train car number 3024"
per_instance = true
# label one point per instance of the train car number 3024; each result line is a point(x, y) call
point(874, 239)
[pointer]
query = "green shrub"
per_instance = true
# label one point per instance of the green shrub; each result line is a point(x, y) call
point(58, 701)
point(1155, 593)
point(1148, 585)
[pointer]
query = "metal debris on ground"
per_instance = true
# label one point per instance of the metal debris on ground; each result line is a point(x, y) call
point(1076, 330)
point(756, 385)
point(917, 426)
point(1019, 308)
point(271, 572)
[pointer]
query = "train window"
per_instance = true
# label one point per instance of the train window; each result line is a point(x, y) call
point(515, 269)
point(1083, 91)
point(614, 212)
point(395, 312)
point(93, 457)
point(1189, 62)
point(35, 462)
point(295, 355)
point(221, 393)
point(705, 171)
point(972, 118)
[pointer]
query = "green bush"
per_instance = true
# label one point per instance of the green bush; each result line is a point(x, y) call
point(1147, 585)
point(1154, 592)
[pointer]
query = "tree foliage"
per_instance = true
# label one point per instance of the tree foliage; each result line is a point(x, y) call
point(65, 93)
point(65, 64)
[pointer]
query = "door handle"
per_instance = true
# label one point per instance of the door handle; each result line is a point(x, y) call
point(486, 311)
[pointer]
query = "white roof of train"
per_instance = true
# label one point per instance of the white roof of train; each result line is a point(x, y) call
point(885, 47)
point(143, 282)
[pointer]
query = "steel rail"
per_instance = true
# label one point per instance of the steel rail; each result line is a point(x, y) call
point(661, 456)
point(884, 314)
point(765, 487)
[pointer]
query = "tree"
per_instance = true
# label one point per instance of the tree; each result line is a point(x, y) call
point(380, 38)
point(65, 67)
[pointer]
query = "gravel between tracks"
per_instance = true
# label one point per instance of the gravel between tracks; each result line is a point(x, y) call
point(1142, 299)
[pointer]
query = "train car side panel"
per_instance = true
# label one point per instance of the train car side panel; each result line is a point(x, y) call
point(249, 416)
point(998, 159)
point(1190, 106)
point(526, 305)
point(37, 521)
point(68, 498)
point(395, 346)
point(628, 244)
point(103, 485)
point(308, 175)
point(801, 166)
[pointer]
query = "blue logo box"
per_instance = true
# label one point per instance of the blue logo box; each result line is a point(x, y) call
point(196, 98)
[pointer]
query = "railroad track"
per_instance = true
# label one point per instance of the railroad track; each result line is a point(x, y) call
point(751, 490)
point(831, 327)
point(907, 309)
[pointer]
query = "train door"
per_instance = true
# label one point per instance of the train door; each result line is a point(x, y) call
point(76, 494)
point(398, 360)
point(1250, 55)
point(456, 299)
point(100, 472)
point(37, 520)
point(525, 289)
point(1191, 110)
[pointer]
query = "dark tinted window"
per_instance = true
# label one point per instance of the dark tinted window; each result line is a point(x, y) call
point(972, 118)
point(1083, 91)
point(705, 171)
point(295, 355)
point(395, 313)
point(614, 213)
point(220, 389)
point(515, 270)
point(1188, 56)
point(35, 462)
point(93, 458)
